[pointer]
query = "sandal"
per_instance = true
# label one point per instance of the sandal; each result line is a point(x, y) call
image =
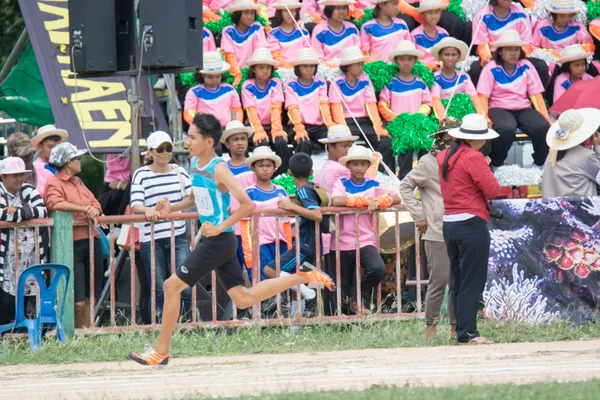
point(477, 340)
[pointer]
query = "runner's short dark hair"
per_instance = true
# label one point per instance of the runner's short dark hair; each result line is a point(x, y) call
point(209, 127)
point(300, 165)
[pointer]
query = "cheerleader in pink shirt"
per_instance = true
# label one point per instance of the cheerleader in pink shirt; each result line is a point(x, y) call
point(331, 36)
point(241, 39)
point(428, 34)
point(307, 103)
point(379, 36)
point(262, 97)
point(208, 41)
point(285, 39)
point(573, 60)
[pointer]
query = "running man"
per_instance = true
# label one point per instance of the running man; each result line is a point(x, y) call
point(212, 185)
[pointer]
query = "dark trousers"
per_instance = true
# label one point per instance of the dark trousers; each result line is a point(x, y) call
point(315, 132)
point(468, 246)
point(540, 66)
point(530, 121)
point(7, 307)
point(113, 201)
point(448, 21)
point(405, 162)
point(145, 314)
point(81, 269)
point(280, 147)
point(383, 145)
point(374, 268)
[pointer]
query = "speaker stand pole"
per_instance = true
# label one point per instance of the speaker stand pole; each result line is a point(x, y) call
point(133, 98)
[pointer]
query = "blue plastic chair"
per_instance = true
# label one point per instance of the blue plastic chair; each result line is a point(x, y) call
point(47, 318)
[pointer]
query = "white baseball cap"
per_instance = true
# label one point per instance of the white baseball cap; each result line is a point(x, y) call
point(157, 138)
point(12, 165)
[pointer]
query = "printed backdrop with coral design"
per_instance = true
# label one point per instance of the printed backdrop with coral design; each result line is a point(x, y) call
point(544, 260)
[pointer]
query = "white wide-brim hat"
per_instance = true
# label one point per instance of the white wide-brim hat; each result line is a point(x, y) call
point(213, 64)
point(336, 2)
point(263, 153)
point(450, 42)
point(285, 4)
point(46, 131)
point(572, 53)
point(305, 57)
point(337, 134)
point(473, 127)
point(509, 38)
point(356, 153)
point(427, 5)
point(12, 165)
point(572, 128)
point(352, 55)
point(563, 7)
point(241, 5)
point(405, 48)
point(262, 56)
point(233, 128)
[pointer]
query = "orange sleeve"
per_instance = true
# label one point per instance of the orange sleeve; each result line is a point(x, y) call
point(316, 18)
point(337, 113)
point(409, 10)
point(589, 47)
point(239, 113)
point(326, 112)
point(208, 15)
point(188, 116)
point(276, 124)
point(246, 242)
point(235, 68)
point(259, 131)
point(540, 105)
point(528, 48)
point(296, 119)
point(386, 113)
point(595, 31)
point(287, 231)
point(438, 107)
point(484, 53)
point(376, 119)
point(483, 101)
point(529, 4)
point(372, 170)
point(279, 57)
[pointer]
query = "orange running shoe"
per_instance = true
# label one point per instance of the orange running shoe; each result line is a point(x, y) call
point(316, 277)
point(150, 357)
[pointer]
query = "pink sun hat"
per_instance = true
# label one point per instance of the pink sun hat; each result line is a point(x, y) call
point(12, 165)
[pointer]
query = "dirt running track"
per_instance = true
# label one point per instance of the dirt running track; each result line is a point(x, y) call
point(347, 370)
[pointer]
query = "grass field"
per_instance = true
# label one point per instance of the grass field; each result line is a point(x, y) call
point(540, 391)
point(382, 334)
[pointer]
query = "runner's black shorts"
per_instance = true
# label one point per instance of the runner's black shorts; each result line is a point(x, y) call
point(214, 253)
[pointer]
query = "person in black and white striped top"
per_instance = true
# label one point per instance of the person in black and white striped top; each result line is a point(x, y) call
point(151, 183)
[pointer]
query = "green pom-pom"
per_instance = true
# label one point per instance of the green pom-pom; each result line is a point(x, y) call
point(461, 105)
point(366, 18)
point(455, 8)
point(262, 20)
point(380, 73)
point(424, 73)
point(593, 10)
point(244, 72)
point(187, 79)
point(287, 183)
point(216, 27)
point(411, 132)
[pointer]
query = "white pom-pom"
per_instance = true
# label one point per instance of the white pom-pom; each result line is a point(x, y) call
point(543, 55)
point(472, 7)
point(514, 175)
point(467, 63)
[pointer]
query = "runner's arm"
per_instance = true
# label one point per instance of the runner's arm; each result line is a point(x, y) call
point(224, 177)
point(185, 204)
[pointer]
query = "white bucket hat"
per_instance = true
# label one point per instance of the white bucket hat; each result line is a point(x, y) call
point(357, 153)
point(337, 134)
point(234, 127)
point(406, 48)
point(284, 4)
point(427, 5)
point(572, 128)
point(241, 5)
point(563, 7)
point(263, 153)
point(305, 57)
point(157, 138)
point(352, 55)
point(213, 64)
point(262, 56)
point(509, 38)
point(336, 2)
point(473, 127)
point(572, 53)
point(450, 42)
point(12, 165)
point(46, 131)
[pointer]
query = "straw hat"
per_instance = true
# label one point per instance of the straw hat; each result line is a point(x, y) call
point(305, 57)
point(352, 55)
point(241, 5)
point(284, 4)
point(572, 128)
point(473, 127)
point(572, 53)
point(509, 38)
point(450, 42)
point(19, 145)
point(357, 153)
point(263, 153)
point(47, 131)
point(336, 2)
point(337, 134)
point(563, 7)
point(234, 127)
point(262, 56)
point(427, 5)
point(12, 165)
point(213, 64)
point(445, 125)
point(406, 48)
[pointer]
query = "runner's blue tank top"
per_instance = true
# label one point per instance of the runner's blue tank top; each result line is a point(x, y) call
point(212, 205)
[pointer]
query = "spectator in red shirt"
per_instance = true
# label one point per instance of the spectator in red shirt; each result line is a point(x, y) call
point(467, 184)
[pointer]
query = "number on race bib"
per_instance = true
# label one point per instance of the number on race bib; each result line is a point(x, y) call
point(204, 202)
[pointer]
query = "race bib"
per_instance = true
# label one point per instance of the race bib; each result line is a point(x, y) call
point(204, 203)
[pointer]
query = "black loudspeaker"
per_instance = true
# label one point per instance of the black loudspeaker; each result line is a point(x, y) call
point(172, 33)
point(92, 32)
point(127, 49)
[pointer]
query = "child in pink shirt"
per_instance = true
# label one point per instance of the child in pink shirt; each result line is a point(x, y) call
point(307, 103)
point(330, 37)
point(359, 191)
point(351, 97)
point(428, 34)
point(246, 35)
point(573, 68)
point(208, 41)
point(262, 97)
point(211, 96)
point(285, 39)
point(379, 36)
